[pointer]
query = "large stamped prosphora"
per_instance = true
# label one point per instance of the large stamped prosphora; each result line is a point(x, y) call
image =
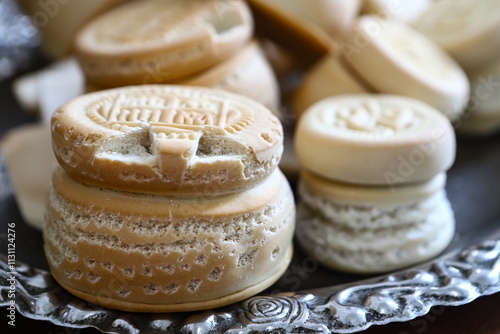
point(166, 140)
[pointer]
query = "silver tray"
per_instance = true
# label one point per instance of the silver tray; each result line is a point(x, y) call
point(307, 298)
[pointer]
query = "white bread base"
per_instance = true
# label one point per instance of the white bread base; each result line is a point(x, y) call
point(378, 239)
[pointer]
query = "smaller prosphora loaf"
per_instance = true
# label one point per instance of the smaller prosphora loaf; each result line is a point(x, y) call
point(155, 41)
point(374, 139)
point(372, 187)
point(394, 58)
point(175, 140)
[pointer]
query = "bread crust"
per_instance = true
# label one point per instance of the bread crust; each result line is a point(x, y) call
point(145, 253)
point(168, 140)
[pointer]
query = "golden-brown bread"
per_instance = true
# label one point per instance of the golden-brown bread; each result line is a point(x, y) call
point(144, 253)
point(154, 41)
point(165, 139)
point(407, 11)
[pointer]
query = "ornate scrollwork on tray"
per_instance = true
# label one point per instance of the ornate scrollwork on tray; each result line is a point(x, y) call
point(455, 279)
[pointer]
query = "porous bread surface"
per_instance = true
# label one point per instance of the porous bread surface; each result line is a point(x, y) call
point(154, 41)
point(163, 139)
point(247, 73)
point(152, 253)
point(396, 59)
point(370, 239)
point(468, 30)
point(374, 139)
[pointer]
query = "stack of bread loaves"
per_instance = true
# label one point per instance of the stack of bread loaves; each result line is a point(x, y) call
point(372, 185)
point(167, 199)
point(196, 42)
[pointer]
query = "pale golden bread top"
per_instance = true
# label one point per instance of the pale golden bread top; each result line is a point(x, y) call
point(169, 140)
point(374, 139)
point(154, 41)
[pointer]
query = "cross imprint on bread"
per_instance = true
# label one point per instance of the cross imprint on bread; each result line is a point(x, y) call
point(168, 114)
point(370, 116)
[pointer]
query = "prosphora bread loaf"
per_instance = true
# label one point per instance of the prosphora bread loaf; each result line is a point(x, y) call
point(145, 253)
point(328, 77)
point(374, 139)
point(162, 139)
point(59, 21)
point(394, 58)
point(155, 41)
point(372, 187)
